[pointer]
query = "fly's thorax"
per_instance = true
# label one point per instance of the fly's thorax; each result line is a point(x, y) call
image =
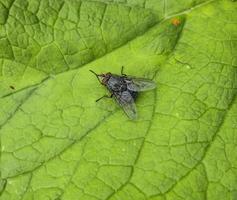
point(116, 84)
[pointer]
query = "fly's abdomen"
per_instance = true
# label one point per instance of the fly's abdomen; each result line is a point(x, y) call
point(133, 94)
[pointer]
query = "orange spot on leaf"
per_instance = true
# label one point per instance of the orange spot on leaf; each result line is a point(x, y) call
point(176, 22)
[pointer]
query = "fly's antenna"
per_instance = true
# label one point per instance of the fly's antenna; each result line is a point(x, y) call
point(97, 75)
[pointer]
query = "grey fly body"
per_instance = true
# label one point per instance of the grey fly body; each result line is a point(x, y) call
point(124, 89)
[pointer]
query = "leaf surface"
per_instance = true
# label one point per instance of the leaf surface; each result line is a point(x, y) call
point(58, 143)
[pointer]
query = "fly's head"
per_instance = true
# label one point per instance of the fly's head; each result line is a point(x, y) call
point(103, 78)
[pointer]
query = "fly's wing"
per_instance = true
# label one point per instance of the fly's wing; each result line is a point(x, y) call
point(140, 84)
point(126, 101)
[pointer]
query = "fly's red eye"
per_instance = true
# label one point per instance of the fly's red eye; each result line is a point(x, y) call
point(104, 81)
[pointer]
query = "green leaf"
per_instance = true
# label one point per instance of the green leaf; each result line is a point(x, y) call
point(58, 143)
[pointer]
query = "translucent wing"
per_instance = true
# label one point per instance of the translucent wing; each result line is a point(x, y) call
point(140, 84)
point(126, 101)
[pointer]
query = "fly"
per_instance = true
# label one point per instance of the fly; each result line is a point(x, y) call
point(124, 89)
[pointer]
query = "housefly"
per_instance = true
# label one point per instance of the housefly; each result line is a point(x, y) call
point(124, 89)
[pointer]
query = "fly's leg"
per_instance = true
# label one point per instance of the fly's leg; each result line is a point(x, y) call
point(105, 96)
point(122, 71)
